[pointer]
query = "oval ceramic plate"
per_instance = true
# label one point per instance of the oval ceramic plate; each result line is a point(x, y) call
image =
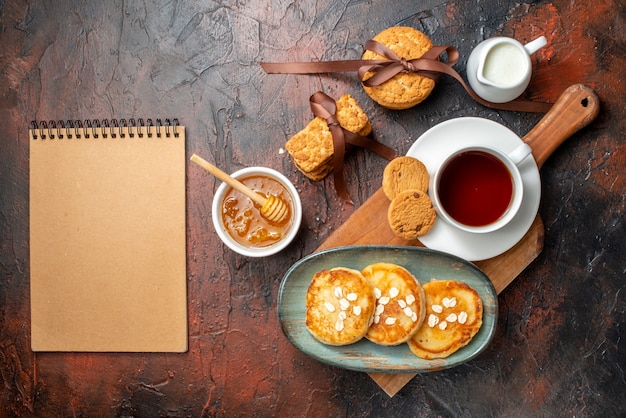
point(364, 355)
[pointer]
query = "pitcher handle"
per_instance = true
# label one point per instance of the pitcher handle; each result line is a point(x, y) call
point(534, 46)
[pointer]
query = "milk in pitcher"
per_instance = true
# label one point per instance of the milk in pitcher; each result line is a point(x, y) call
point(505, 64)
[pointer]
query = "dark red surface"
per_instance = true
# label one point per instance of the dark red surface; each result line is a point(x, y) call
point(560, 343)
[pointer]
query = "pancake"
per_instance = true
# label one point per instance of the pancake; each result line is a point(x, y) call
point(400, 304)
point(339, 306)
point(454, 313)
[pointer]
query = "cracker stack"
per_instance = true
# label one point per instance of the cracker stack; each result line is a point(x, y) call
point(312, 149)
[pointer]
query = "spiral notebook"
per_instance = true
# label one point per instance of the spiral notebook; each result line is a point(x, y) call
point(107, 236)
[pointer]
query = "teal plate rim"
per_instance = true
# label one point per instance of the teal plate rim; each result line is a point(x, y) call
point(364, 355)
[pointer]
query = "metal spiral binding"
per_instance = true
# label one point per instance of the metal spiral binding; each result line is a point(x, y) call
point(77, 129)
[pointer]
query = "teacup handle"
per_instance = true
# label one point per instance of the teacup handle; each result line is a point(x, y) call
point(574, 109)
point(520, 153)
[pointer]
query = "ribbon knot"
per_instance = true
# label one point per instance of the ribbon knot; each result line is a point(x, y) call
point(428, 65)
point(325, 107)
point(407, 65)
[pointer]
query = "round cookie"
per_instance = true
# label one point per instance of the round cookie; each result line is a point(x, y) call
point(400, 304)
point(340, 306)
point(411, 214)
point(454, 314)
point(404, 173)
point(405, 89)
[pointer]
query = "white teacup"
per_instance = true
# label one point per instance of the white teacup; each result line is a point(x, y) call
point(479, 189)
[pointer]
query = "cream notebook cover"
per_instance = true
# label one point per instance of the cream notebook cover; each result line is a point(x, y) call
point(107, 236)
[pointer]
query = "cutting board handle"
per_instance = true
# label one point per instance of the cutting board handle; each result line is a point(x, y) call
point(574, 109)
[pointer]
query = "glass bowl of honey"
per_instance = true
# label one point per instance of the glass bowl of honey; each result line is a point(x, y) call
point(239, 222)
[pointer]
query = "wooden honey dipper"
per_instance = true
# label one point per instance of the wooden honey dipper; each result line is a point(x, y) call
point(273, 208)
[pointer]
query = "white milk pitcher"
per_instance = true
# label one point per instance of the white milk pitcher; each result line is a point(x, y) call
point(499, 69)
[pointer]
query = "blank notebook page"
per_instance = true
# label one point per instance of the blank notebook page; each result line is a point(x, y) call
point(107, 240)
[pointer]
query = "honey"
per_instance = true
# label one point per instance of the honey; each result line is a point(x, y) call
point(242, 217)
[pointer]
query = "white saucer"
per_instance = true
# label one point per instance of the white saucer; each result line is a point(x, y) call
point(435, 144)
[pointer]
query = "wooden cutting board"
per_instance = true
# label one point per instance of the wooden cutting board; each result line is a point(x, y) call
point(574, 109)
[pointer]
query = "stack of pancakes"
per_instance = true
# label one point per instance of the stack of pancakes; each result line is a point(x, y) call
point(386, 304)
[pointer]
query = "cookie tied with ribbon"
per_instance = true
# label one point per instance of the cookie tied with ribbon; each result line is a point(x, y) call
point(321, 146)
point(407, 87)
point(399, 69)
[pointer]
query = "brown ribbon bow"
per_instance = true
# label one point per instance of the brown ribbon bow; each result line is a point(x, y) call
point(385, 70)
point(325, 107)
point(428, 65)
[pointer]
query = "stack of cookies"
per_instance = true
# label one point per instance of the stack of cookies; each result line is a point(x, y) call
point(405, 183)
point(312, 149)
point(406, 89)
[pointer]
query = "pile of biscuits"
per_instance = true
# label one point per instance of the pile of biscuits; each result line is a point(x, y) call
point(405, 183)
point(311, 149)
point(386, 304)
point(407, 88)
